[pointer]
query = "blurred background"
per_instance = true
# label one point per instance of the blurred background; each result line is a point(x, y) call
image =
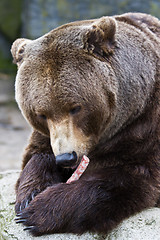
point(31, 19)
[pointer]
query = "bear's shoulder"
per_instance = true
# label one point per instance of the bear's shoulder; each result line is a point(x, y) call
point(143, 21)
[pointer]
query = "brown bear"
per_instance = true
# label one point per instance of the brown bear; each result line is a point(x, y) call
point(89, 88)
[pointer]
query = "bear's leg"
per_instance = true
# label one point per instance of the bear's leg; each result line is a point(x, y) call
point(39, 171)
point(93, 203)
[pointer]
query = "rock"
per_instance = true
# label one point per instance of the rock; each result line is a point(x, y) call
point(143, 226)
point(14, 130)
point(6, 89)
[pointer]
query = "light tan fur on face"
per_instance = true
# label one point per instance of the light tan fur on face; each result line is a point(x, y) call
point(66, 138)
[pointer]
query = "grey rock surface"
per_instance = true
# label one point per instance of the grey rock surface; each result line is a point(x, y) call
point(14, 130)
point(143, 226)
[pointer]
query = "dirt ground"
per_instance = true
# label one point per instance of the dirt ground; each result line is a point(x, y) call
point(14, 131)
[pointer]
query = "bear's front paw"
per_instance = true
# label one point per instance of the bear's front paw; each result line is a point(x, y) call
point(26, 217)
point(42, 215)
point(23, 203)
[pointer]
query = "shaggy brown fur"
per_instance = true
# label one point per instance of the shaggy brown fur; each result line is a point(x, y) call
point(91, 87)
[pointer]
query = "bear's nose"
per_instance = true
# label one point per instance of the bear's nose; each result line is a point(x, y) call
point(66, 159)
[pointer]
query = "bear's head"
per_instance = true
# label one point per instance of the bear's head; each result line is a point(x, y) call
point(83, 82)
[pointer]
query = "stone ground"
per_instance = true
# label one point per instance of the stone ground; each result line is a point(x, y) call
point(14, 131)
point(142, 226)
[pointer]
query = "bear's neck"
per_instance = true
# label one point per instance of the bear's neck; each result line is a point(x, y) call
point(137, 143)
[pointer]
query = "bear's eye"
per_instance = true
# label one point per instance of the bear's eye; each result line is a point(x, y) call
point(42, 116)
point(75, 110)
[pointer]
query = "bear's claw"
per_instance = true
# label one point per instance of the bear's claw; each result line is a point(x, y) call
point(24, 204)
point(21, 219)
point(29, 228)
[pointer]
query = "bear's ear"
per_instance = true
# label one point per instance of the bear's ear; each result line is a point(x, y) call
point(99, 40)
point(18, 48)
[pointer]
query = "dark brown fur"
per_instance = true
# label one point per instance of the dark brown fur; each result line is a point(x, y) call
point(120, 119)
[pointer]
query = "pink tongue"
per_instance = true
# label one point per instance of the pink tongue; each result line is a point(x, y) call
point(80, 169)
